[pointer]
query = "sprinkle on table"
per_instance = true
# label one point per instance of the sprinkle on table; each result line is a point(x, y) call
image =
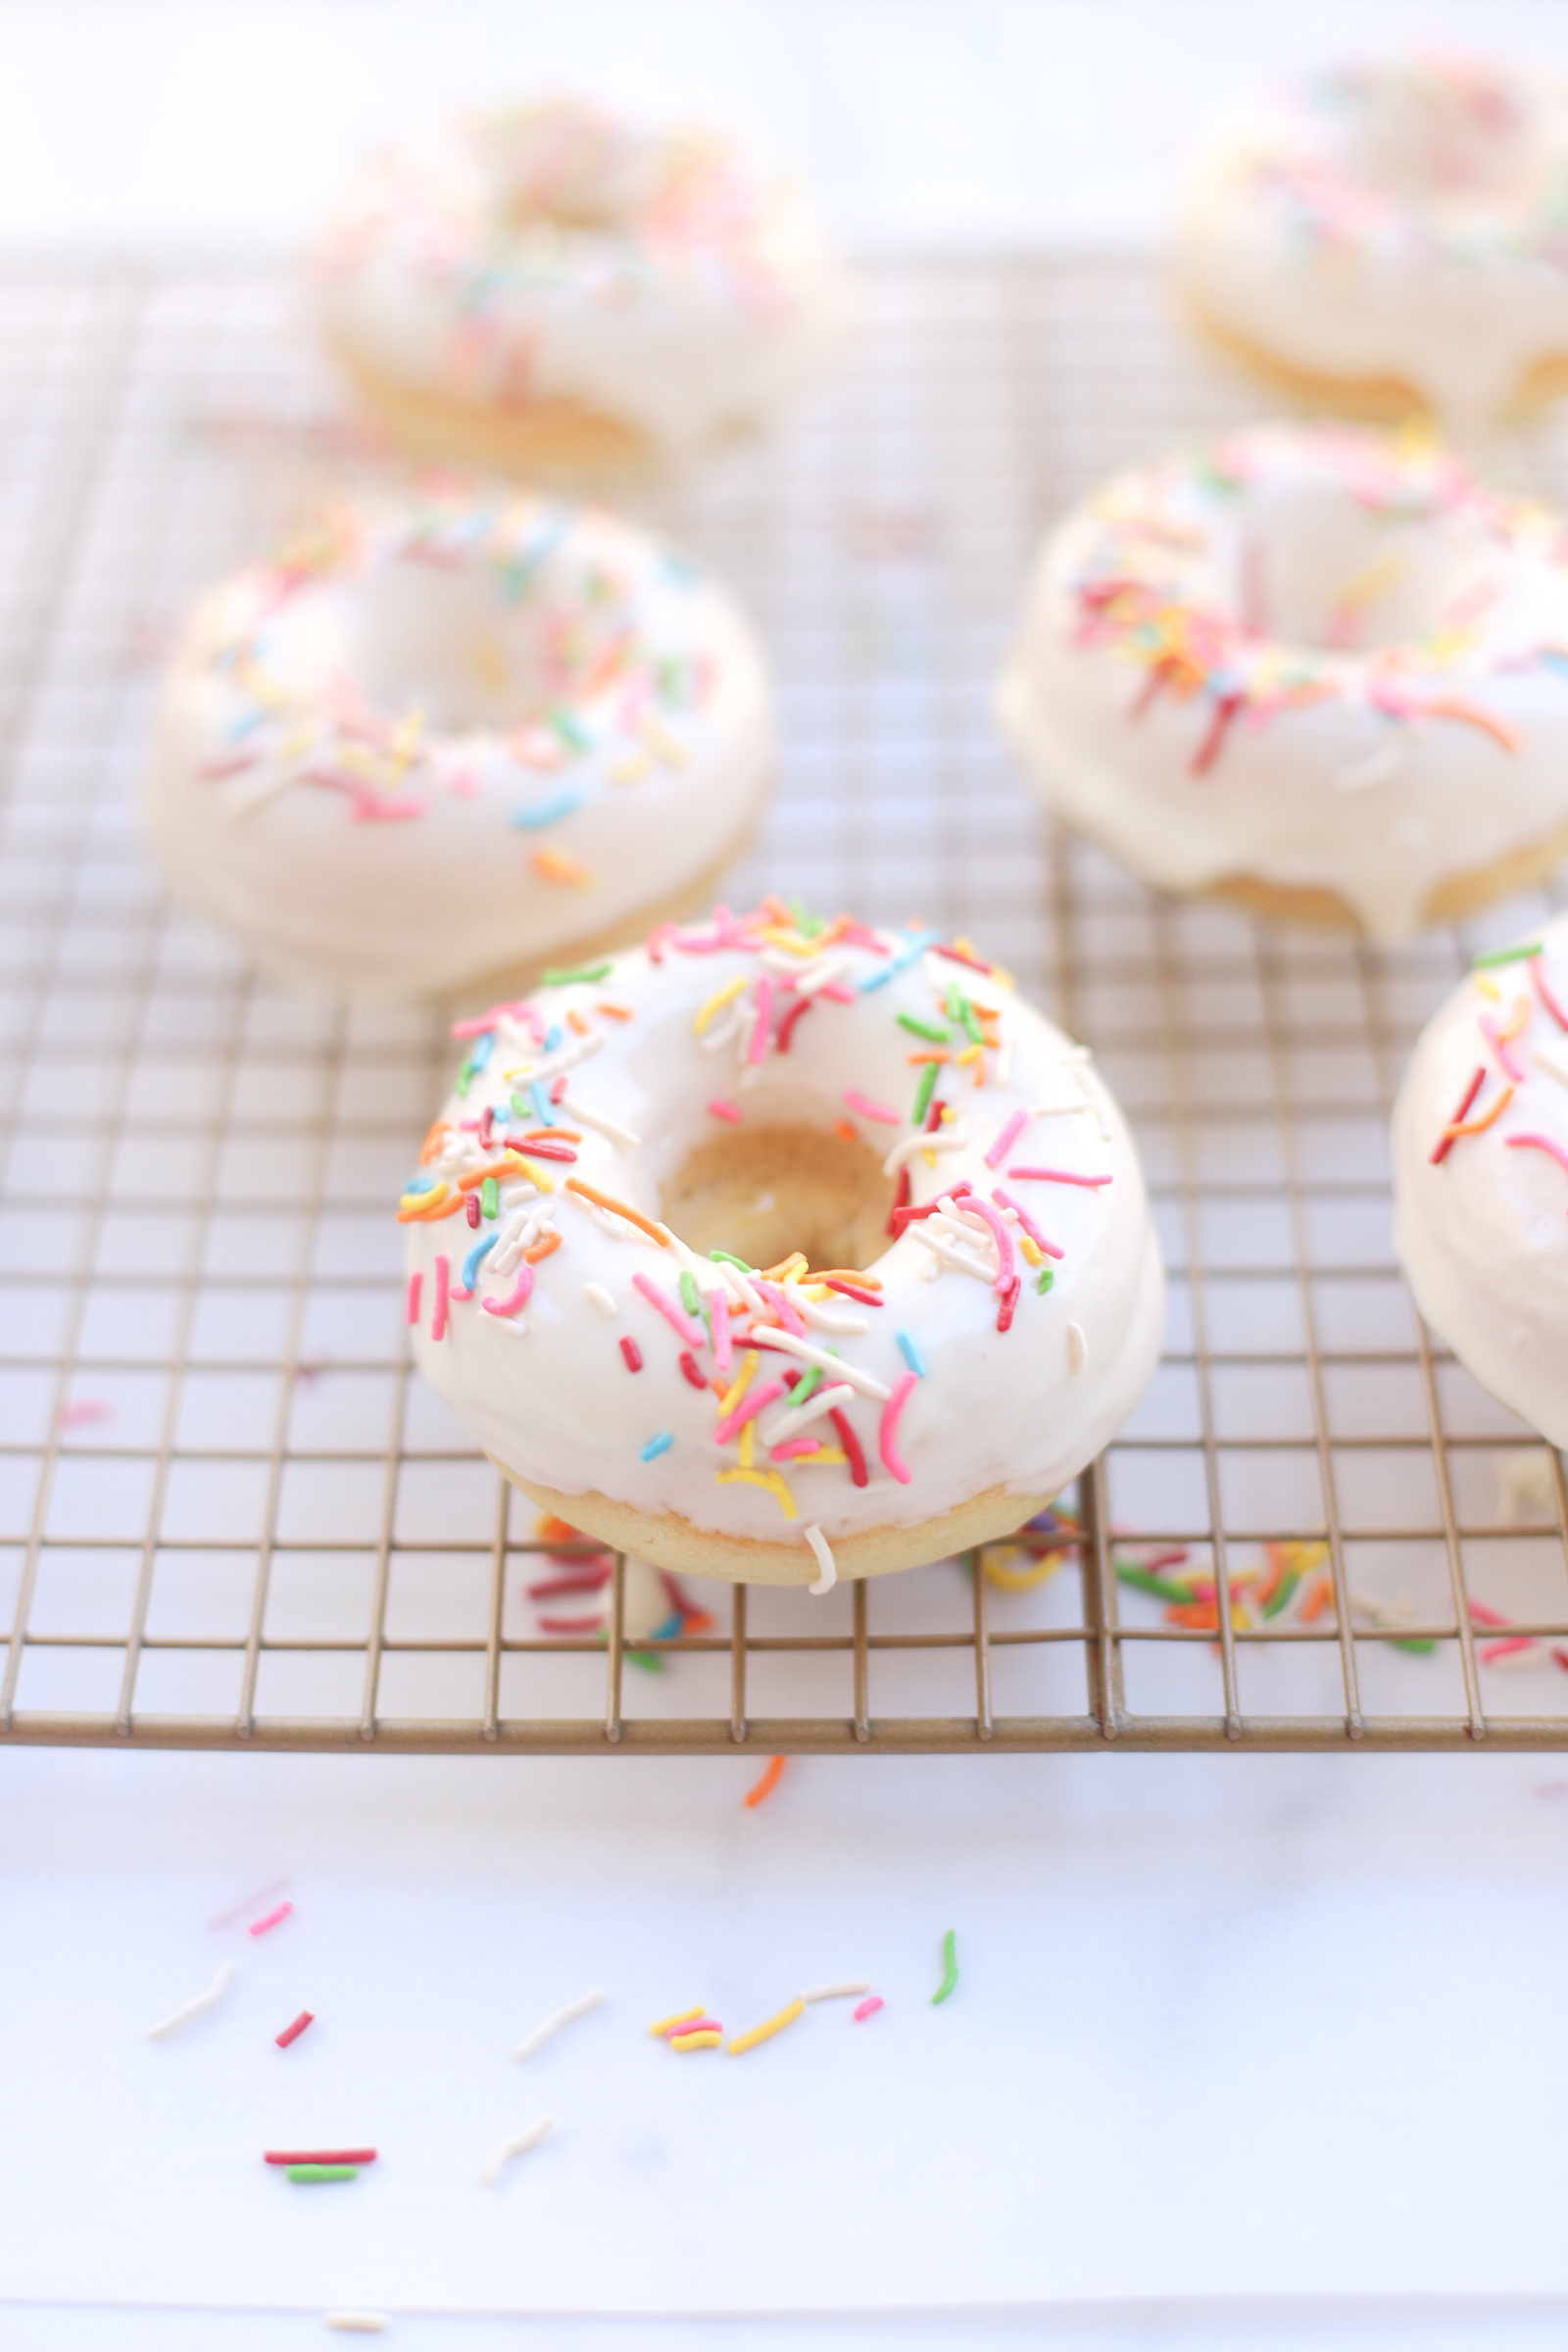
point(292, 2033)
point(950, 1967)
point(766, 2031)
point(764, 1787)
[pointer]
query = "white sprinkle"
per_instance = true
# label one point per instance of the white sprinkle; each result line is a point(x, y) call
point(196, 2008)
point(1077, 1346)
point(958, 1259)
point(800, 1416)
point(824, 1559)
point(950, 1138)
point(514, 2147)
point(563, 2017)
point(817, 975)
point(867, 1381)
point(620, 1229)
point(835, 1992)
point(597, 1295)
point(565, 1057)
point(1552, 1066)
point(723, 1029)
point(820, 1317)
point(1375, 767)
point(596, 1119)
point(357, 2323)
point(506, 1255)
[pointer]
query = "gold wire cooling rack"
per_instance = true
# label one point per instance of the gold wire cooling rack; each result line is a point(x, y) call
point(230, 1516)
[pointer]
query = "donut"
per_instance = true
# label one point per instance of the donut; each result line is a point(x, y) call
point(780, 1250)
point(1316, 669)
point(1389, 235)
point(442, 741)
point(543, 288)
point(1480, 1146)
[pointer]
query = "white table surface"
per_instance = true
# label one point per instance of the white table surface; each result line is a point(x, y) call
point(1263, 2051)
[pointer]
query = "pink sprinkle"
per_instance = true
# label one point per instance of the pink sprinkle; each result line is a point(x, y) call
point(1485, 1616)
point(1006, 1200)
point(726, 1111)
point(1539, 1143)
point(718, 1311)
point(273, 1919)
point(438, 1316)
point(1007, 1139)
point(84, 1408)
point(762, 1029)
point(837, 994)
point(1054, 1176)
point(517, 1299)
point(1495, 1650)
point(694, 2025)
point(692, 1334)
point(889, 1429)
point(1000, 1236)
point(869, 1110)
point(791, 1447)
point(748, 1409)
point(868, 2008)
point(1489, 1030)
point(1545, 995)
point(787, 1314)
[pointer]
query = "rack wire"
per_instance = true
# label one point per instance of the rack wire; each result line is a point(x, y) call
point(229, 1514)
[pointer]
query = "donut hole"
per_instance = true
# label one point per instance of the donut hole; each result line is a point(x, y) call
point(760, 1193)
point(1315, 566)
point(450, 642)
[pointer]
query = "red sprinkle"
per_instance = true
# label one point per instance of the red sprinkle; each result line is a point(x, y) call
point(572, 1625)
point(632, 1353)
point(911, 1216)
point(273, 1919)
point(786, 1027)
point(1447, 1139)
point(292, 2033)
point(1543, 991)
point(866, 1298)
point(588, 1579)
point(1010, 1299)
point(692, 1369)
point(546, 1151)
point(901, 1207)
point(933, 1117)
point(957, 955)
point(320, 2156)
point(852, 1445)
point(1208, 750)
point(473, 1208)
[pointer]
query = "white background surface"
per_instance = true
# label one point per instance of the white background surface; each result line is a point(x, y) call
point(1271, 2028)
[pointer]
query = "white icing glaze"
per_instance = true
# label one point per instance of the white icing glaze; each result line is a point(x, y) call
point(1404, 220)
point(545, 1389)
point(544, 253)
point(569, 722)
point(1309, 655)
point(1482, 1233)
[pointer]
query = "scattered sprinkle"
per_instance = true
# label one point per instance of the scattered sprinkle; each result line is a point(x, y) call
point(835, 1992)
point(313, 2176)
point(681, 2017)
point(511, 2148)
point(272, 1918)
point(354, 2156)
point(701, 2038)
point(770, 1781)
point(196, 2008)
point(534, 2042)
point(292, 2033)
point(950, 1967)
point(357, 2323)
point(868, 2008)
point(765, 2031)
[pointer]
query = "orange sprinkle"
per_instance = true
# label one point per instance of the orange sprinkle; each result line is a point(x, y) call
point(1202, 1615)
point(557, 1531)
point(554, 865)
point(1480, 1126)
point(1316, 1602)
point(932, 1054)
point(574, 1021)
point(1516, 1019)
point(850, 1134)
point(433, 1142)
point(867, 1282)
point(542, 1248)
point(768, 1783)
point(431, 1216)
point(616, 1012)
point(618, 1209)
point(507, 1166)
point(1474, 715)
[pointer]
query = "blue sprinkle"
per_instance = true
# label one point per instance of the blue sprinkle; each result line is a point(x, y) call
point(1550, 658)
point(553, 1036)
point(542, 1103)
point(657, 1446)
point(670, 1629)
point(422, 1184)
point(909, 1344)
point(470, 1264)
point(247, 725)
point(901, 961)
point(481, 1049)
point(548, 812)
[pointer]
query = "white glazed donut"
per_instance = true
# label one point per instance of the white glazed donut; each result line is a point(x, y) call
point(545, 287)
point(758, 1085)
point(1394, 231)
point(1319, 669)
point(1481, 1176)
point(448, 741)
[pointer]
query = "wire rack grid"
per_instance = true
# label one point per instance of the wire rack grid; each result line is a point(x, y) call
point(228, 1513)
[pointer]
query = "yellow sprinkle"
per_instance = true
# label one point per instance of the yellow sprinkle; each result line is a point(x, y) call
point(795, 1263)
point(969, 1054)
point(763, 1478)
point(631, 770)
point(719, 1000)
point(709, 2041)
point(663, 743)
point(1370, 584)
point(949, 1114)
point(775, 2025)
point(535, 1175)
point(1007, 1578)
point(825, 1457)
point(740, 1383)
point(682, 2017)
point(554, 865)
point(1032, 1250)
point(437, 1192)
point(791, 942)
point(748, 1444)
point(1487, 988)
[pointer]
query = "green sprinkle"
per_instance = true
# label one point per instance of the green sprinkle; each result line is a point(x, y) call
point(1141, 1581)
point(521, 1108)
point(950, 1967)
point(577, 972)
point(688, 1291)
point(923, 1094)
point(926, 1029)
point(1417, 1650)
point(808, 925)
point(489, 1198)
point(1046, 1277)
point(307, 2175)
point(723, 1259)
point(571, 732)
point(1484, 963)
point(808, 1387)
point(1282, 1593)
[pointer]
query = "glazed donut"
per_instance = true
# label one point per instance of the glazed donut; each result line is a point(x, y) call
point(1391, 235)
point(453, 740)
point(1481, 1176)
point(1318, 670)
point(650, 1267)
point(545, 288)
